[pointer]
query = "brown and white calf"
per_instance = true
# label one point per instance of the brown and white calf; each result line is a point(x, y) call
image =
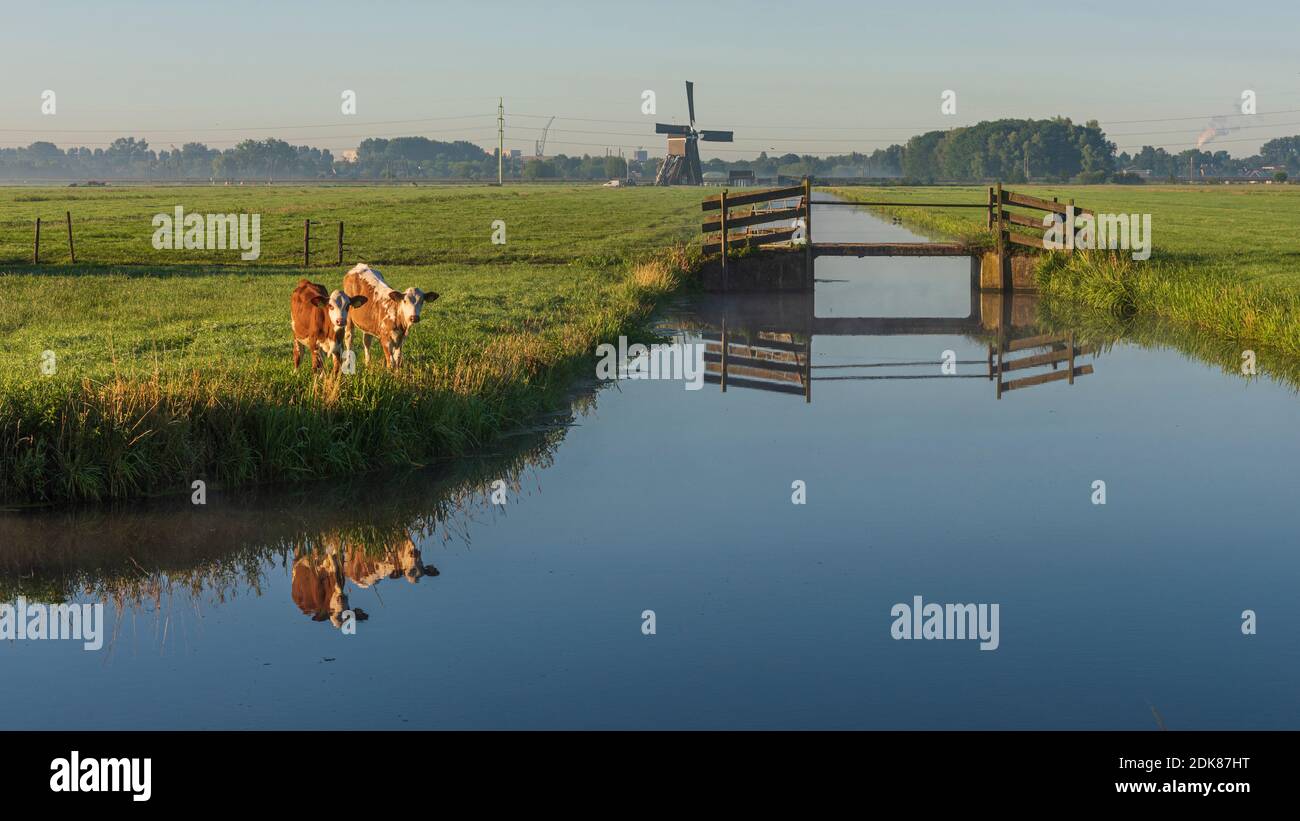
point(319, 320)
point(398, 559)
point(319, 585)
point(387, 314)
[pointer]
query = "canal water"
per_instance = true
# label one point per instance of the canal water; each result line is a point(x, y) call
point(645, 496)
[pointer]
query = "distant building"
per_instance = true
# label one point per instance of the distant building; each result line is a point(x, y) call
point(516, 153)
point(740, 176)
point(640, 155)
point(1265, 171)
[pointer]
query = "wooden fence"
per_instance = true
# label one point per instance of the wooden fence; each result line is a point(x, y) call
point(766, 361)
point(1061, 349)
point(1006, 219)
point(36, 241)
point(1001, 220)
point(307, 240)
point(774, 205)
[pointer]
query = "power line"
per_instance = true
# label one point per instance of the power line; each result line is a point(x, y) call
point(242, 128)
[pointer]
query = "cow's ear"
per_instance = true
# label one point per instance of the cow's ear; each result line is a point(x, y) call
point(319, 301)
point(358, 301)
point(431, 296)
point(396, 296)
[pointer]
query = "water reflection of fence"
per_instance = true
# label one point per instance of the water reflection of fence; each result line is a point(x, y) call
point(773, 352)
point(1060, 350)
point(765, 361)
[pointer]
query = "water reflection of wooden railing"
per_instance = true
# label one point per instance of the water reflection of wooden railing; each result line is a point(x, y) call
point(765, 361)
point(1061, 349)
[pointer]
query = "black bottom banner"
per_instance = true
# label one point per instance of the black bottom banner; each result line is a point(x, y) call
point(142, 771)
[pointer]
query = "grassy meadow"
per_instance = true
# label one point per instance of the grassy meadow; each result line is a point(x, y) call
point(175, 365)
point(1225, 259)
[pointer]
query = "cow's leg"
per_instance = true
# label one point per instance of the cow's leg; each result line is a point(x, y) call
point(365, 345)
point(297, 354)
point(315, 358)
point(347, 336)
point(387, 345)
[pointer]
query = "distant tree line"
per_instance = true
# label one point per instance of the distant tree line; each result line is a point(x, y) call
point(1016, 150)
point(1282, 153)
point(1009, 150)
point(269, 159)
point(582, 168)
point(128, 157)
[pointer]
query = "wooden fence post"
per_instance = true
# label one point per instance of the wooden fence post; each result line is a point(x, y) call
point(1004, 273)
point(990, 225)
point(1001, 344)
point(807, 370)
point(807, 232)
point(340, 242)
point(36, 248)
point(1071, 342)
point(306, 243)
point(1069, 228)
point(723, 376)
point(723, 223)
point(72, 250)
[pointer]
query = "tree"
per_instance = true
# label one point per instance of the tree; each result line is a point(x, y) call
point(615, 168)
point(539, 170)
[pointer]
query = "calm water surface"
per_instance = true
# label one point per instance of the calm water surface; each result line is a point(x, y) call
point(768, 614)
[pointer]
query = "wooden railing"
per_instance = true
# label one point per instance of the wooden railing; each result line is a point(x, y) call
point(767, 361)
point(1001, 219)
point(768, 206)
point(1060, 350)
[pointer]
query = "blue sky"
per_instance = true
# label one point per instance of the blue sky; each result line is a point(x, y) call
point(815, 77)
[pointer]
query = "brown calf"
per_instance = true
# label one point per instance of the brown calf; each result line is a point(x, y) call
point(318, 320)
point(387, 314)
point(319, 587)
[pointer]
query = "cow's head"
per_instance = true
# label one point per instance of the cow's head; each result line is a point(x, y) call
point(410, 303)
point(411, 566)
point(338, 305)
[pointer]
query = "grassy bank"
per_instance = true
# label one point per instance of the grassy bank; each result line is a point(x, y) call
point(179, 369)
point(1226, 259)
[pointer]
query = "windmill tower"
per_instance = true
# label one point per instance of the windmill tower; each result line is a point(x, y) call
point(682, 165)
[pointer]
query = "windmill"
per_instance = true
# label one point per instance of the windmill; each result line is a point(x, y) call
point(682, 165)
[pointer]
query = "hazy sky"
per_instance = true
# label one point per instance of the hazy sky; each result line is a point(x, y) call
point(815, 77)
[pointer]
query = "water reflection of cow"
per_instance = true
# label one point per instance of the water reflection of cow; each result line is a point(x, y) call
point(320, 576)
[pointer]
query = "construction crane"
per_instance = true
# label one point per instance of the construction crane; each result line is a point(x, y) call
point(539, 147)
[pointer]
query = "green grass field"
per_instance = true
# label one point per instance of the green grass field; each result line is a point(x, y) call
point(1225, 259)
point(176, 365)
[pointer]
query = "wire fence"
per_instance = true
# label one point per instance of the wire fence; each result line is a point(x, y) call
point(251, 240)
